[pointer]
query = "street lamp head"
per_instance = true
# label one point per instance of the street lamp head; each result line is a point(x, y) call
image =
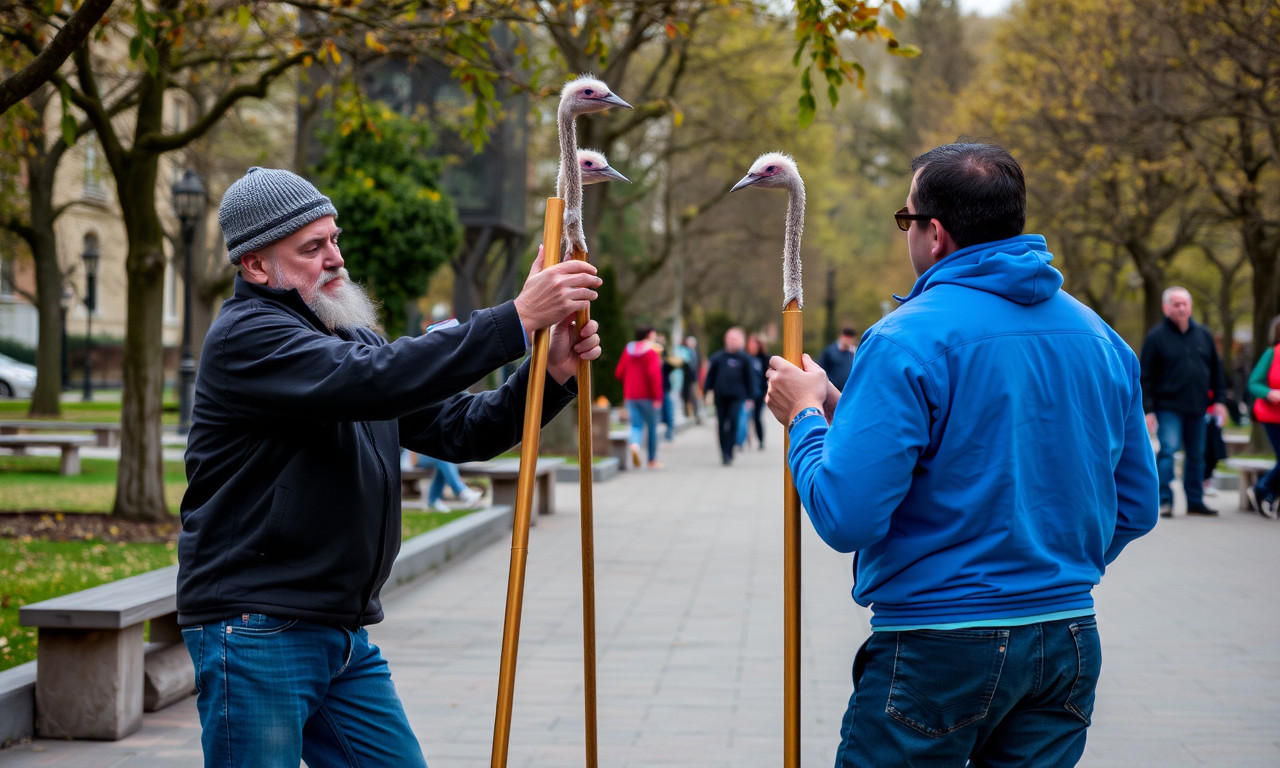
point(91, 256)
point(188, 197)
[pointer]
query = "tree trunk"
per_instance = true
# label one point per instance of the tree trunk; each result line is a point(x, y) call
point(140, 480)
point(47, 398)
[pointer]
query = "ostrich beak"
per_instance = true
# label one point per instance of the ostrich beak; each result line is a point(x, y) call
point(746, 181)
point(613, 101)
point(609, 173)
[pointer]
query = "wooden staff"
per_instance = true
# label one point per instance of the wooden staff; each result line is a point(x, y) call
point(585, 479)
point(553, 223)
point(778, 171)
point(792, 351)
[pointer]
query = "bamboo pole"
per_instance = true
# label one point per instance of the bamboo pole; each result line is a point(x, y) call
point(586, 505)
point(553, 224)
point(792, 351)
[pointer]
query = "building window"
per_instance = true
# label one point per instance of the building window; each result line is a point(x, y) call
point(92, 170)
point(6, 278)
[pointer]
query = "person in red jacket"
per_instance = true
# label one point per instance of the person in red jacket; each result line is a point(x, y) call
point(640, 371)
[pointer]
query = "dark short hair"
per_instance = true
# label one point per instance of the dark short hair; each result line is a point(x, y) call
point(848, 330)
point(643, 331)
point(977, 191)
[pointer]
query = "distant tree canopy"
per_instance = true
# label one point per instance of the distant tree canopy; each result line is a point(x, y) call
point(396, 220)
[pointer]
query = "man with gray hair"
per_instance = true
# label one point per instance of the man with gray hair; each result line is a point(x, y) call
point(291, 519)
point(1181, 375)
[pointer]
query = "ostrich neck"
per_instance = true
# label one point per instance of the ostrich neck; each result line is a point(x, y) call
point(569, 182)
point(792, 280)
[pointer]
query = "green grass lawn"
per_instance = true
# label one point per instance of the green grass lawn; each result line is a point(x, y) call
point(96, 410)
point(33, 483)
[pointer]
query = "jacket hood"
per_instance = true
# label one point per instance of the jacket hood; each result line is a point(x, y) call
point(1016, 269)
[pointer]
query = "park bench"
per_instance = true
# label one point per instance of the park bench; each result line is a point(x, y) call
point(1250, 470)
point(1236, 444)
point(618, 441)
point(503, 475)
point(70, 446)
point(107, 433)
point(95, 674)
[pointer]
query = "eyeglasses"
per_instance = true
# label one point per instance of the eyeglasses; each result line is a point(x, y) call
point(904, 219)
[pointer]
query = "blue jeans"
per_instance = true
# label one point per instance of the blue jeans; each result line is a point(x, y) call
point(446, 472)
point(1181, 432)
point(1270, 482)
point(1000, 697)
point(274, 692)
point(642, 416)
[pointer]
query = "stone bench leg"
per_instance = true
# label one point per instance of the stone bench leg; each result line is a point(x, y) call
point(545, 483)
point(618, 449)
point(89, 683)
point(1248, 479)
point(70, 460)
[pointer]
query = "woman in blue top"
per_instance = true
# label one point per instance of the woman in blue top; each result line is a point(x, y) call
point(1264, 385)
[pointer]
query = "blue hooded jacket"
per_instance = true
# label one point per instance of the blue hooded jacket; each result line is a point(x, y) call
point(988, 456)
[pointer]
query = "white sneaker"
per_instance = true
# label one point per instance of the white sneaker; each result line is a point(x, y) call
point(469, 497)
point(439, 506)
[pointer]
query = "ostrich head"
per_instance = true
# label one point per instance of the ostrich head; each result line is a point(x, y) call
point(595, 168)
point(771, 170)
point(775, 170)
point(586, 95)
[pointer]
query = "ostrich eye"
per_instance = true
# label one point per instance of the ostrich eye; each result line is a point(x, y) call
point(770, 169)
point(590, 164)
point(589, 92)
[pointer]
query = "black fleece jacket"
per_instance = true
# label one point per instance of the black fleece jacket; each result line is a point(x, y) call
point(1181, 371)
point(293, 500)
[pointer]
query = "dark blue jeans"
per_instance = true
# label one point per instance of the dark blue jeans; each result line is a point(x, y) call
point(1270, 482)
point(274, 692)
point(1000, 697)
point(1181, 432)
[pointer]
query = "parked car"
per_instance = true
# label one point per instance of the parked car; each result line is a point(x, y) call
point(16, 379)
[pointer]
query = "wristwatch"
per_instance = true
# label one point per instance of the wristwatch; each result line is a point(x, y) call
point(803, 414)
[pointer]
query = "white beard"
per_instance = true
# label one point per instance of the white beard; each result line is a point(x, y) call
point(345, 308)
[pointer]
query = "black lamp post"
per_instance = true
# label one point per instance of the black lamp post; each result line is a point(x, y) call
point(91, 258)
point(188, 206)
point(64, 304)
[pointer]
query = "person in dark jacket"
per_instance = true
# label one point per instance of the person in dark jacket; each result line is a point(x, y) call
point(1181, 375)
point(731, 382)
point(291, 519)
point(837, 358)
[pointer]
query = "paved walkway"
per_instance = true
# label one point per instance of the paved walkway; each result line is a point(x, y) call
point(689, 580)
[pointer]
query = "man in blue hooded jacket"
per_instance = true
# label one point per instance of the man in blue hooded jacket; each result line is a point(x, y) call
point(987, 459)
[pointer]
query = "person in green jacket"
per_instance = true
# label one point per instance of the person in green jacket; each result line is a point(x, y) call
point(1264, 385)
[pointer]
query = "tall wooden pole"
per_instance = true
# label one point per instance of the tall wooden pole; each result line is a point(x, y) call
point(586, 462)
point(792, 351)
point(553, 224)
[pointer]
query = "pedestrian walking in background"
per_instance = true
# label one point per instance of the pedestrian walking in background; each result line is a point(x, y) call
point(731, 383)
point(1264, 387)
point(640, 371)
point(691, 387)
point(1181, 375)
point(759, 355)
point(837, 358)
point(446, 474)
point(978, 561)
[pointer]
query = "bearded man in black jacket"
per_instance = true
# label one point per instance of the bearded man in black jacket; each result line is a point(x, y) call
point(291, 519)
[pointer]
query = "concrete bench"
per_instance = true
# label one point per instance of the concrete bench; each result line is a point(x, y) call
point(95, 674)
point(1250, 470)
point(70, 446)
point(504, 477)
point(618, 441)
point(106, 433)
point(1236, 444)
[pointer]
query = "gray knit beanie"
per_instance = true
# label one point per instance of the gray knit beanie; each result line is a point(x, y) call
point(266, 205)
